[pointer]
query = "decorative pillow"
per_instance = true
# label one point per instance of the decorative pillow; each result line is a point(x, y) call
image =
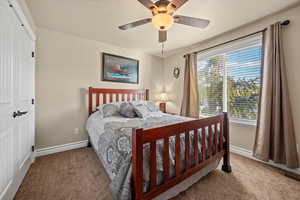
point(151, 106)
point(139, 102)
point(142, 111)
point(127, 110)
point(109, 110)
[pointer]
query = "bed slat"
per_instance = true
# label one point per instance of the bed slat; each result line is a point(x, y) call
point(166, 160)
point(97, 99)
point(203, 144)
point(187, 150)
point(177, 154)
point(111, 98)
point(210, 141)
point(216, 138)
point(104, 98)
point(196, 150)
point(153, 165)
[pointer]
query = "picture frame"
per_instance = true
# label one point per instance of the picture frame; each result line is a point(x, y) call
point(119, 69)
point(176, 72)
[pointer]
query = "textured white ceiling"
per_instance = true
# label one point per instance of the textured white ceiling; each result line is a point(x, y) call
point(99, 19)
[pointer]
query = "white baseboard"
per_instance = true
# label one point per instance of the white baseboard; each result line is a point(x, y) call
point(61, 148)
point(248, 154)
point(241, 151)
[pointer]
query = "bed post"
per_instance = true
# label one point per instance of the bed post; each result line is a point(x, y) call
point(90, 101)
point(226, 167)
point(90, 111)
point(137, 163)
point(147, 94)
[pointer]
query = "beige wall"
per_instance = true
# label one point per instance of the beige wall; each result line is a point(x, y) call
point(243, 136)
point(66, 67)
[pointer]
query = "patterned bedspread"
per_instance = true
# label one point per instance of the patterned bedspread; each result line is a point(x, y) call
point(114, 148)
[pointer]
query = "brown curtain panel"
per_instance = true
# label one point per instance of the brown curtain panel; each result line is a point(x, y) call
point(275, 134)
point(190, 101)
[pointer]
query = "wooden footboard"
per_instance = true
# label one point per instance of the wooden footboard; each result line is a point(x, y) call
point(217, 147)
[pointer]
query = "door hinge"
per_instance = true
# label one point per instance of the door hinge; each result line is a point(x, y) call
point(32, 54)
point(32, 101)
point(32, 148)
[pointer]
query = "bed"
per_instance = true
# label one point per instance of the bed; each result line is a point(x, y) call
point(158, 156)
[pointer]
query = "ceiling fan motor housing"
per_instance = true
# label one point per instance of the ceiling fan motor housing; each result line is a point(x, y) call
point(163, 6)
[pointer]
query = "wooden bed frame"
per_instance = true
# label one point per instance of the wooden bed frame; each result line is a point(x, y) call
point(217, 146)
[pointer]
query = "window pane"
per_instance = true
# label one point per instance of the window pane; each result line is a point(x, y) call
point(210, 79)
point(243, 82)
point(230, 79)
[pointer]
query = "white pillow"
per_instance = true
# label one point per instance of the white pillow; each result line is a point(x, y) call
point(142, 111)
point(150, 105)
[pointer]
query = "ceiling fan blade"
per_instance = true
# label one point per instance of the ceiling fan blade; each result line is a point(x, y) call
point(191, 21)
point(135, 24)
point(147, 3)
point(162, 36)
point(178, 3)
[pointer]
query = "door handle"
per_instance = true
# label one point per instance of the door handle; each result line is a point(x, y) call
point(19, 113)
point(15, 114)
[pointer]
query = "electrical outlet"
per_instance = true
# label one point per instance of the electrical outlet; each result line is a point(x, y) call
point(76, 131)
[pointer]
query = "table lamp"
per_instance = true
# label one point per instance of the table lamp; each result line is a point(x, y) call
point(163, 100)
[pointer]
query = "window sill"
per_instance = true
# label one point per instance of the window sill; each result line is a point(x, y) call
point(238, 122)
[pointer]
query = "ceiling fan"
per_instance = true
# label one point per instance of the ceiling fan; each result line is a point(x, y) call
point(163, 17)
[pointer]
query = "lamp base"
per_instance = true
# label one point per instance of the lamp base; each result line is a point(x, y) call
point(162, 107)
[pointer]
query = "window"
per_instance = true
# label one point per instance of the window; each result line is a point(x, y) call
point(229, 79)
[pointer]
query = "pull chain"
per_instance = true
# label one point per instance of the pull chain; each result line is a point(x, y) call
point(162, 49)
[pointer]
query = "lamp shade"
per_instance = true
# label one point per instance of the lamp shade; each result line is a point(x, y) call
point(164, 97)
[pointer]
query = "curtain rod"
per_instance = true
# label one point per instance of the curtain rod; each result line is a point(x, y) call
point(284, 23)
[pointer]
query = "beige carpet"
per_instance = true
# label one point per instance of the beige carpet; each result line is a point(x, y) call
point(78, 174)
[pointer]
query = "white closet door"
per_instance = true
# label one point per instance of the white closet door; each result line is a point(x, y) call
point(7, 129)
point(24, 95)
point(16, 94)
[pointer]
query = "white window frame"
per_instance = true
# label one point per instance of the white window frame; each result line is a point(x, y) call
point(244, 43)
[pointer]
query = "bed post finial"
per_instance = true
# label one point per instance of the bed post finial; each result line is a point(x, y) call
point(226, 167)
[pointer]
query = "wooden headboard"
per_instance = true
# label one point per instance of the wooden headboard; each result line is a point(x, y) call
point(98, 96)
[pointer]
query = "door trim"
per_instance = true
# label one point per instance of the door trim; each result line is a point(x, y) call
point(12, 189)
point(20, 14)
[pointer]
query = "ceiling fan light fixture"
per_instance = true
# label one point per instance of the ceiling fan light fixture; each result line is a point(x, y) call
point(162, 21)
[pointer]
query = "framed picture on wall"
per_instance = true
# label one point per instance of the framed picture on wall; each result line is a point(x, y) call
point(119, 69)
